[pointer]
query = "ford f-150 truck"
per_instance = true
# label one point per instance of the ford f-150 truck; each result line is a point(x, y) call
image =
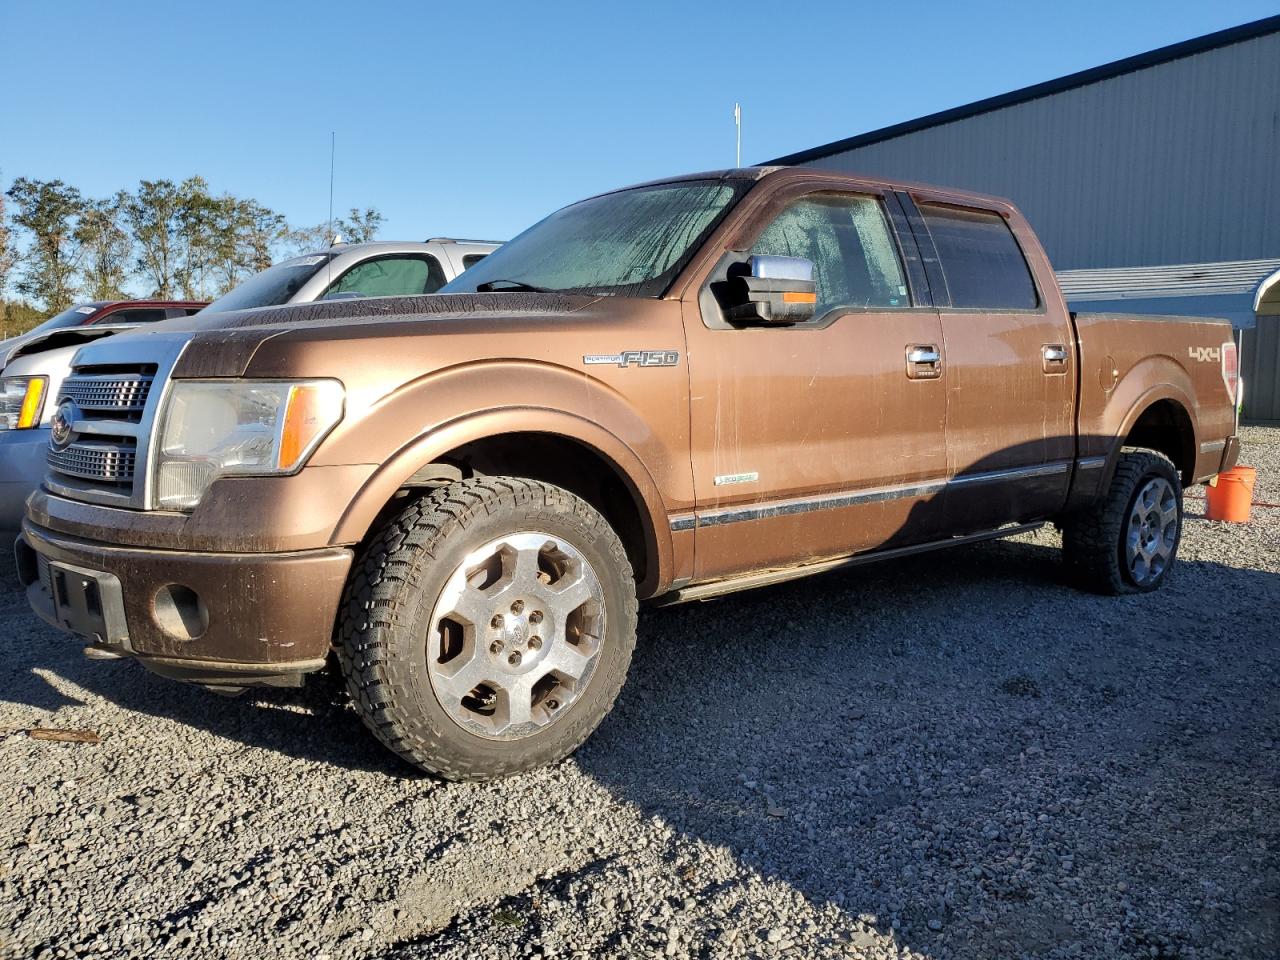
point(667, 392)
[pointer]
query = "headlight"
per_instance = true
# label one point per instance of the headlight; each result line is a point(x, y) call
point(21, 402)
point(219, 428)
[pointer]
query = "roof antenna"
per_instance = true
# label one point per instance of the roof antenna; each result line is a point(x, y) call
point(737, 122)
point(333, 147)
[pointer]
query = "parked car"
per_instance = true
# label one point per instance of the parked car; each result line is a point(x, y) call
point(349, 270)
point(98, 312)
point(344, 271)
point(669, 392)
point(32, 368)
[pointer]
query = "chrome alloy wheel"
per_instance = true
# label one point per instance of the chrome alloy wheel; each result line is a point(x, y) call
point(1153, 531)
point(516, 635)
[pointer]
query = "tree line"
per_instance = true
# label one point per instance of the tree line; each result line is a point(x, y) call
point(165, 239)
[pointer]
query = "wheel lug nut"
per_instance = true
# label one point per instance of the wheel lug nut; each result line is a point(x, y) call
point(553, 704)
point(496, 621)
point(535, 617)
point(517, 606)
point(514, 659)
point(495, 647)
point(535, 643)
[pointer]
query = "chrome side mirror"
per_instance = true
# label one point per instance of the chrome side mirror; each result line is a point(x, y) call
point(775, 290)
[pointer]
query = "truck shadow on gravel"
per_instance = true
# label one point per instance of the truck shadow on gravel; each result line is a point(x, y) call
point(957, 747)
point(973, 755)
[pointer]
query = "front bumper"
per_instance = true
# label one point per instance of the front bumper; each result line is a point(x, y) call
point(215, 618)
point(22, 465)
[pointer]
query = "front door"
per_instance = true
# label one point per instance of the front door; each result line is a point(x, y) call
point(824, 438)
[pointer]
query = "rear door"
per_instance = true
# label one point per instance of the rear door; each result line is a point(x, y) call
point(824, 438)
point(1011, 376)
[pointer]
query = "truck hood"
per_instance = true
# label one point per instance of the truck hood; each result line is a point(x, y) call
point(222, 344)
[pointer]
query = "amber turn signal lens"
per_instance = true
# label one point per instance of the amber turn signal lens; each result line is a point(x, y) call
point(32, 404)
point(310, 411)
point(797, 297)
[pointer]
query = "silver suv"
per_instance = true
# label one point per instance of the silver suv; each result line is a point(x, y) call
point(376, 269)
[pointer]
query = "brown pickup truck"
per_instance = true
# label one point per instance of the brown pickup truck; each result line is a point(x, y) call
point(667, 392)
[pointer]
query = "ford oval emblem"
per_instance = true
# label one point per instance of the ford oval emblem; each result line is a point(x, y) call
point(60, 432)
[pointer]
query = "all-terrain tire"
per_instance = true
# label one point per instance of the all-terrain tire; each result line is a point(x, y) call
point(382, 637)
point(1095, 541)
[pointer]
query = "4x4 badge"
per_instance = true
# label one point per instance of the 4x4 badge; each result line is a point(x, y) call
point(634, 358)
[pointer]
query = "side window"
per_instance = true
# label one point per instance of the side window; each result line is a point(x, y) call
point(132, 316)
point(981, 259)
point(855, 258)
point(403, 276)
point(469, 260)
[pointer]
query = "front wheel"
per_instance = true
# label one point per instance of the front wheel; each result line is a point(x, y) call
point(489, 627)
point(1128, 541)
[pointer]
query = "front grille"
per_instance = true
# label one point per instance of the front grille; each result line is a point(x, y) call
point(103, 461)
point(110, 394)
point(89, 394)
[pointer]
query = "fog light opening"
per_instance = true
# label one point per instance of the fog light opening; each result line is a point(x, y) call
point(180, 612)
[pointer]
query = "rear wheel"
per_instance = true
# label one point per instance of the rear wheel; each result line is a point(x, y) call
point(1127, 542)
point(488, 628)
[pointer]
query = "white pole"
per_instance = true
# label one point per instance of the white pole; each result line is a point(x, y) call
point(737, 122)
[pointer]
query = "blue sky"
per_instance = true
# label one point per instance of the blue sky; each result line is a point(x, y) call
point(475, 119)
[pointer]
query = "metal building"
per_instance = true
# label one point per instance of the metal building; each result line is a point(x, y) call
point(1169, 160)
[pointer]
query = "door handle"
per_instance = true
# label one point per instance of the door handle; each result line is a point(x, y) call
point(924, 362)
point(1054, 353)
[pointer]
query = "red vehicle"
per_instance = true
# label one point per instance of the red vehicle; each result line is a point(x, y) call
point(119, 311)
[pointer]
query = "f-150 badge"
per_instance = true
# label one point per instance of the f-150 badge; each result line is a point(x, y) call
point(634, 358)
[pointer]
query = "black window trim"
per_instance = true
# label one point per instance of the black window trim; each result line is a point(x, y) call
point(403, 255)
point(935, 269)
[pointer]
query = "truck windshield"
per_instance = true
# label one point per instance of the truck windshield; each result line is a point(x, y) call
point(273, 286)
point(631, 243)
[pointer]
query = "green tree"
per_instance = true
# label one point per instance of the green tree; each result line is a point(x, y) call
point(152, 216)
point(8, 253)
point(106, 247)
point(246, 234)
point(359, 226)
point(47, 210)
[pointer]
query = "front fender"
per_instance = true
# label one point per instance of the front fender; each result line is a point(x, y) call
point(422, 421)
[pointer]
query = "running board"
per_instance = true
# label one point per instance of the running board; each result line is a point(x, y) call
point(765, 578)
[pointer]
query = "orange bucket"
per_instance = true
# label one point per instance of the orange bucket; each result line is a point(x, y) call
point(1230, 495)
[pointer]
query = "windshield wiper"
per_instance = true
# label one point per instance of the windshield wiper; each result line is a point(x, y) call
point(494, 286)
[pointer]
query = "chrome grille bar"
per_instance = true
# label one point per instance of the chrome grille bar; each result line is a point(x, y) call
point(89, 460)
point(107, 393)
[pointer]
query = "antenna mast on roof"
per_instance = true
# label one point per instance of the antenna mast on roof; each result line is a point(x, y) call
point(333, 148)
point(737, 122)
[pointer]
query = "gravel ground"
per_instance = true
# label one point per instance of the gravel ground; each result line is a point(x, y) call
point(950, 757)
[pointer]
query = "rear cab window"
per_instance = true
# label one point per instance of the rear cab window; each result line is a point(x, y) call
point(134, 315)
point(981, 260)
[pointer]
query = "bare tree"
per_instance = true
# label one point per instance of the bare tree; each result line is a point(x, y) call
point(48, 210)
point(106, 247)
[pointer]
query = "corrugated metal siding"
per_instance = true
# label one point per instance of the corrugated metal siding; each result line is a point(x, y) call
point(1260, 362)
point(1175, 163)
